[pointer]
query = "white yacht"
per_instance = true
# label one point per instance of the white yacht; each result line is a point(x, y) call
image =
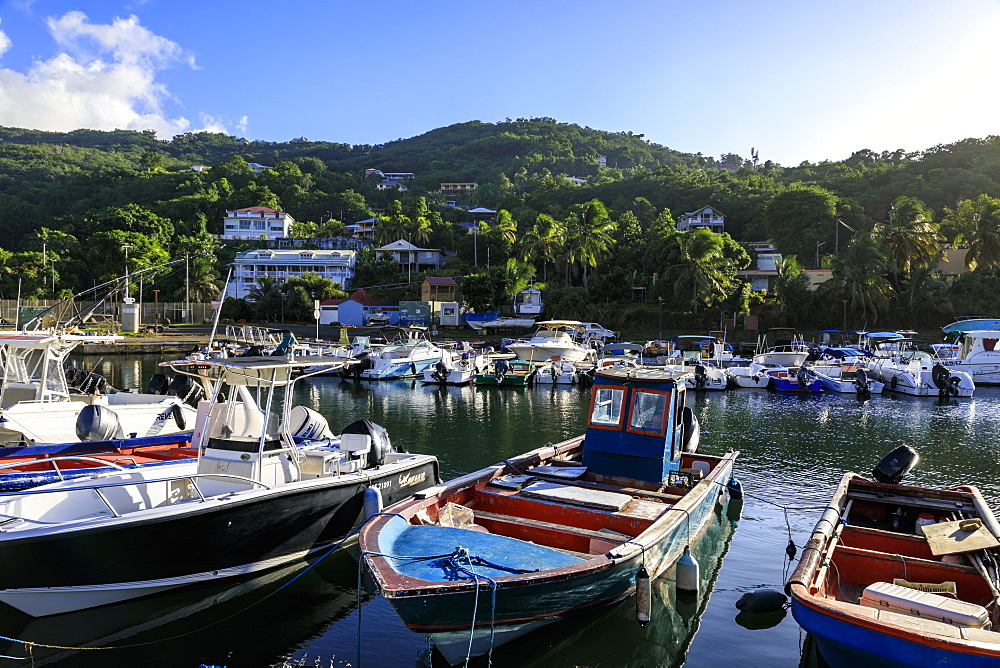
point(904, 368)
point(554, 338)
point(978, 355)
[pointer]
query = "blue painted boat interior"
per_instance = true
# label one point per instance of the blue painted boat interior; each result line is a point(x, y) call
point(423, 549)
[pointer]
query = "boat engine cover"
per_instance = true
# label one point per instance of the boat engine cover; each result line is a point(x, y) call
point(98, 423)
point(306, 423)
point(381, 445)
point(895, 465)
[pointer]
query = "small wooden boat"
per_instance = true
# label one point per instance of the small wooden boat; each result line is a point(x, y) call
point(483, 559)
point(508, 373)
point(902, 576)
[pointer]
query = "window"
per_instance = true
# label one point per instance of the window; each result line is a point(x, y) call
point(606, 407)
point(259, 225)
point(649, 412)
point(244, 224)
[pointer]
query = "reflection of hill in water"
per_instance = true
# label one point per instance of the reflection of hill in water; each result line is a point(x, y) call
point(613, 638)
point(221, 625)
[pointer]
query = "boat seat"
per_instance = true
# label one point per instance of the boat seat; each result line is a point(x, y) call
point(925, 605)
point(356, 445)
point(576, 496)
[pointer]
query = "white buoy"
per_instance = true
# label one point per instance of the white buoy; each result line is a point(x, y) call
point(687, 572)
point(373, 502)
point(643, 596)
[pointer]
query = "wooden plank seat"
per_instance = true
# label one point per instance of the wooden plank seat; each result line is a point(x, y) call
point(560, 536)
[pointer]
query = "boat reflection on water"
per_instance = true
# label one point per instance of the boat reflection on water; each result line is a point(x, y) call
point(612, 637)
point(253, 623)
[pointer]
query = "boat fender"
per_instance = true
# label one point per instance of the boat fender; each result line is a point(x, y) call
point(687, 573)
point(735, 488)
point(381, 445)
point(643, 596)
point(759, 622)
point(372, 502)
point(158, 384)
point(98, 423)
point(178, 414)
point(690, 431)
point(895, 465)
point(893, 382)
point(761, 601)
point(790, 549)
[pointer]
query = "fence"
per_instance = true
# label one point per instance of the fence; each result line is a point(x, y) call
point(150, 312)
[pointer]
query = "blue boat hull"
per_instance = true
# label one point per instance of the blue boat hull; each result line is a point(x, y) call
point(845, 644)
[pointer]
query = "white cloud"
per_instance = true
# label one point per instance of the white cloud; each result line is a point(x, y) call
point(104, 79)
point(242, 124)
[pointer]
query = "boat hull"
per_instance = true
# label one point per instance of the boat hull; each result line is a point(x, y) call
point(522, 603)
point(191, 542)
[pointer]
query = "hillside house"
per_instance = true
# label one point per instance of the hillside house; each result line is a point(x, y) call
point(707, 217)
point(410, 256)
point(249, 267)
point(254, 222)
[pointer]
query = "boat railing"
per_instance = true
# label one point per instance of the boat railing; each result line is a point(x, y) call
point(55, 463)
point(191, 478)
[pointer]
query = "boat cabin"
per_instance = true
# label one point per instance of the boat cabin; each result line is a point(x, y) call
point(638, 424)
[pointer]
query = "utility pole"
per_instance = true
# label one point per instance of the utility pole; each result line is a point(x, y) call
point(187, 289)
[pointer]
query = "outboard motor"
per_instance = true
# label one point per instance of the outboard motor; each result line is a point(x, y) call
point(364, 361)
point(690, 430)
point(895, 465)
point(253, 351)
point(381, 445)
point(440, 371)
point(699, 376)
point(73, 375)
point(91, 383)
point(159, 383)
point(307, 424)
point(501, 367)
point(98, 423)
point(943, 381)
point(803, 377)
point(861, 383)
point(185, 389)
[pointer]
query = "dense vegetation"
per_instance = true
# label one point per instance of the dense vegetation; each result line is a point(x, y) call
point(75, 203)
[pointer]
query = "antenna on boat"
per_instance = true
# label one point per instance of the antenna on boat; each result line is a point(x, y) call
point(218, 311)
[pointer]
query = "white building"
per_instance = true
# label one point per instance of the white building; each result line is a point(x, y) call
point(706, 217)
point(408, 255)
point(251, 266)
point(255, 222)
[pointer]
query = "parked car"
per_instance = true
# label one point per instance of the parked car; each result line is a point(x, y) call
point(596, 332)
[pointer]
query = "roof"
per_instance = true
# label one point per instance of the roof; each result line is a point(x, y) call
point(259, 209)
point(440, 280)
point(481, 209)
point(707, 206)
point(364, 298)
point(332, 302)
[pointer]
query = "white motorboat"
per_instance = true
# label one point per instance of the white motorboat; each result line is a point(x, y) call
point(977, 355)
point(46, 401)
point(256, 498)
point(554, 338)
point(557, 372)
point(405, 356)
point(904, 368)
point(456, 367)
point(754, 375)
point(846, 378)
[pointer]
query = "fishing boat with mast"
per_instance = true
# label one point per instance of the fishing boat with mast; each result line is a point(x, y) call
point(490, 556)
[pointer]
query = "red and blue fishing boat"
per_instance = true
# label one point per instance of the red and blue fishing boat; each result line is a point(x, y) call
point(895, 575)
point(562, 529)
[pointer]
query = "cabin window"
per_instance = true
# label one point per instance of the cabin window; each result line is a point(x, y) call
point(606, 407)
point(649, 413)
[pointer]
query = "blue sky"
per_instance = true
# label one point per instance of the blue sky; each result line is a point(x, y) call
point(797, 80)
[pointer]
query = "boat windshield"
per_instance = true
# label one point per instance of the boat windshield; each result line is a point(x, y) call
point(607, 407)
point(649, 412)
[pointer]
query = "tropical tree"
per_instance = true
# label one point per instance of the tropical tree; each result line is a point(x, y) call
point(418, 227)
point(703, 270)
point(977, 224)
point(589, 235)
point(543, 241)
point(909, 238)
point(862, 272)
point(392, 225)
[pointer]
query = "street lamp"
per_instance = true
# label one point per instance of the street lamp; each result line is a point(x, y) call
point(125, 248)
point(156, 309)
point(660, 299)
point(845, 316)
point(282, 308)
point(818, 244)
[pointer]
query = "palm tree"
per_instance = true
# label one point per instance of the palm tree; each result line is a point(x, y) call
point(392, 225)
point(703, 267)
point(506, 226)
point(203, 281)
point(909, 237)
point(590, 232)
point(984, 237)
point(542, 242)
point(863, 271)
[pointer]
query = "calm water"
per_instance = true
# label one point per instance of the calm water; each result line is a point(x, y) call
point(793, 452)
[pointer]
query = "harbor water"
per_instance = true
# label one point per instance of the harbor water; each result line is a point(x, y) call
point(794, 450)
